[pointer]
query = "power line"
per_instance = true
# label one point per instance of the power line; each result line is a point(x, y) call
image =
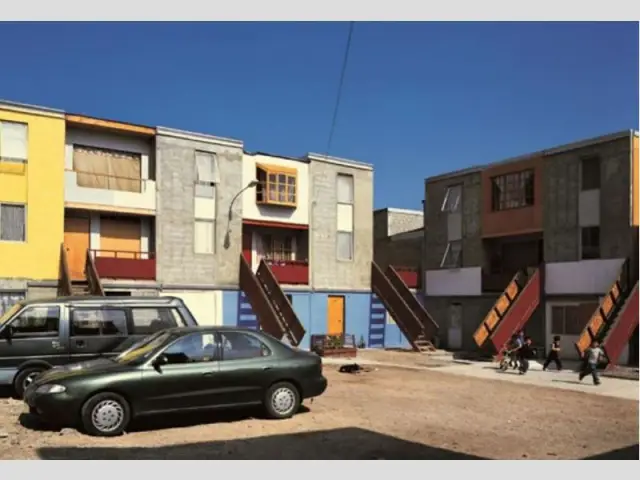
point(340, 84)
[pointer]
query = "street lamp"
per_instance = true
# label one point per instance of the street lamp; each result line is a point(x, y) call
point(227, 236)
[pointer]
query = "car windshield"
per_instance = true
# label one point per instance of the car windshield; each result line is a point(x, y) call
point(9, 313)
point(144, 349)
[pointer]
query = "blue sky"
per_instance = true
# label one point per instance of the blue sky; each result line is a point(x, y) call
point(419, 98)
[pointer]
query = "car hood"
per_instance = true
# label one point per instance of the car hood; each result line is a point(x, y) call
point(90, 367)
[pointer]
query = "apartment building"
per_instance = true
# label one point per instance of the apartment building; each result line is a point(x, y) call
point(31, 200)
point(566, 218)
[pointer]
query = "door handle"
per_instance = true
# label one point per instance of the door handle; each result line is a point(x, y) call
point(80, 343)
point(55, 344)
point(208, 374)
point(266, 368)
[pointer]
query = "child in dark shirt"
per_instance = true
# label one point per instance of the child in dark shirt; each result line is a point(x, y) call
point(554, 355)
point(525, 353)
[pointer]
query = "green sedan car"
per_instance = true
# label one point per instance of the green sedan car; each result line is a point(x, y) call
point(178, 369)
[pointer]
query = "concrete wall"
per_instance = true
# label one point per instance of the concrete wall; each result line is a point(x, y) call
point(398, 252)
point(436, 221)
point(327, 272)
point(177, 264)
point(562, 202)
point(391, 221)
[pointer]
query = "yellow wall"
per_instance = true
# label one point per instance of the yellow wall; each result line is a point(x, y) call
point(634, 182)
point(39, 184)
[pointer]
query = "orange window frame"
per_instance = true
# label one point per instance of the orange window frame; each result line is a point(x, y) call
point(271, 179)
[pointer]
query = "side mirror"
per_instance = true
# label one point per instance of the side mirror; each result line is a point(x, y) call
point(159, 361)
point(6, 333)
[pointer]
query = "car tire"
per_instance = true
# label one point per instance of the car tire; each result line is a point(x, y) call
point(282, 400)
point(24, 378)
point(106, 414)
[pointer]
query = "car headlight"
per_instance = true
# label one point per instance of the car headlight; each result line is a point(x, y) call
point(51, 388)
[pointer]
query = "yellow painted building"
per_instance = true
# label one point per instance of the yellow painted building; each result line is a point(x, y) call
point(32, 145)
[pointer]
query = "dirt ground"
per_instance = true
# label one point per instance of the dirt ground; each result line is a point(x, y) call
point(383, 414)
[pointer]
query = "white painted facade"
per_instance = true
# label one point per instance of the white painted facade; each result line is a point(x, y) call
point(145, 234)
point(96, 198)
point(587, 277)
point(254, 211)
point(453, 282)
point(206, 306)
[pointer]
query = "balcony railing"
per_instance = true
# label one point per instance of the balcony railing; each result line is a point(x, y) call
point(125, 265)
point(289, 272)
point(409, 275)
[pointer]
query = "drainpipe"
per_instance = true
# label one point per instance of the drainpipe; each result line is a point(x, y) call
point(227, 235)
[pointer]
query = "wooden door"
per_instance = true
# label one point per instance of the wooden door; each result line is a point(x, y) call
point(120, 237)
point(76, 243)
point(335, 315)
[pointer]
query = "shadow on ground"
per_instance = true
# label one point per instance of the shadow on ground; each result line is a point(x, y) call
point(6, 392)
point(166, 421)
point(632, 452)
point(343, 444)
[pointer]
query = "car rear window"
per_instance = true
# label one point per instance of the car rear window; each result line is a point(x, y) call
point(148, 320)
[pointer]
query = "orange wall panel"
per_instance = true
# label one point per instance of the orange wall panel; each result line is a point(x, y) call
point(514, 221)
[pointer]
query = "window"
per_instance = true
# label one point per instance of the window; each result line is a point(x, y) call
point(590, 173)
point(13, 142)
point(151, 320)
point(192, 348)
point(37, 322)
point(570, 319)
point(12, 223)
point(87, 322)
point(277, 248)
point(206, 172)
point(452, 257)
point(242, 346)
point(590, 242)
point(8, 300)
point(345, 198)
point(276, 185)
point(452, 199)
point(204, 236)
point(107, 169)
point(513, 190)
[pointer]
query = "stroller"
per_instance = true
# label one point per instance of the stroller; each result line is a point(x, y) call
point(509, 360)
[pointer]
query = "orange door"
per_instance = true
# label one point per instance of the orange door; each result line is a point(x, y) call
point(335, 315)
point(120, 237)
point(76, 242)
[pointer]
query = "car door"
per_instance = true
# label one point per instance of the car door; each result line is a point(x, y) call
point(247, 368)
point(97, 332)
point(36, 333)
point(189, 379)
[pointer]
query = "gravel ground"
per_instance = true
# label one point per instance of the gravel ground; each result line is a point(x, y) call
point(383, 414)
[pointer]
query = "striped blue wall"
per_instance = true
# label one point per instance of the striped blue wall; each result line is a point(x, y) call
point(365, 316)
point(311, 309)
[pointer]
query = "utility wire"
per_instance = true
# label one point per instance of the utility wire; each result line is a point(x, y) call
point(345, 61)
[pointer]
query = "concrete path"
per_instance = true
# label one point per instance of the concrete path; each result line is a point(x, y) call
point(565, 380)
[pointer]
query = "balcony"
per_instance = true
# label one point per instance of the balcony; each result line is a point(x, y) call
point(114, 193)
point(125, 265)
point(289, 272)
point(409, 275)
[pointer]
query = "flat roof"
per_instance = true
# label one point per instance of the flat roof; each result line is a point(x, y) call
point(540, 153)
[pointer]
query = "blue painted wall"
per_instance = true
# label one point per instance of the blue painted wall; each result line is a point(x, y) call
point(311, 309)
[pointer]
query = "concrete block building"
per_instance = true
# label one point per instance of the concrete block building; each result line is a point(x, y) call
point(570, 211)
point(105, 207)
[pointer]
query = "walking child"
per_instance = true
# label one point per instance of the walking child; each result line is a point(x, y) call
point(525, 352)
point(554, 355)
point(592, 356)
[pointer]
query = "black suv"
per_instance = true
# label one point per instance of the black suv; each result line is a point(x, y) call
point(40, 334)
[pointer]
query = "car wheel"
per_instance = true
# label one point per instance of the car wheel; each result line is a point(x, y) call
point(282, 400)
point(105, 415)
point(25, 378)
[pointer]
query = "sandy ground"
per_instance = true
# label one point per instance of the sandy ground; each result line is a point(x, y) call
point(383, 414)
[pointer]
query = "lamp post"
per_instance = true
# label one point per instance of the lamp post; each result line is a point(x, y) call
point(227, 236)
